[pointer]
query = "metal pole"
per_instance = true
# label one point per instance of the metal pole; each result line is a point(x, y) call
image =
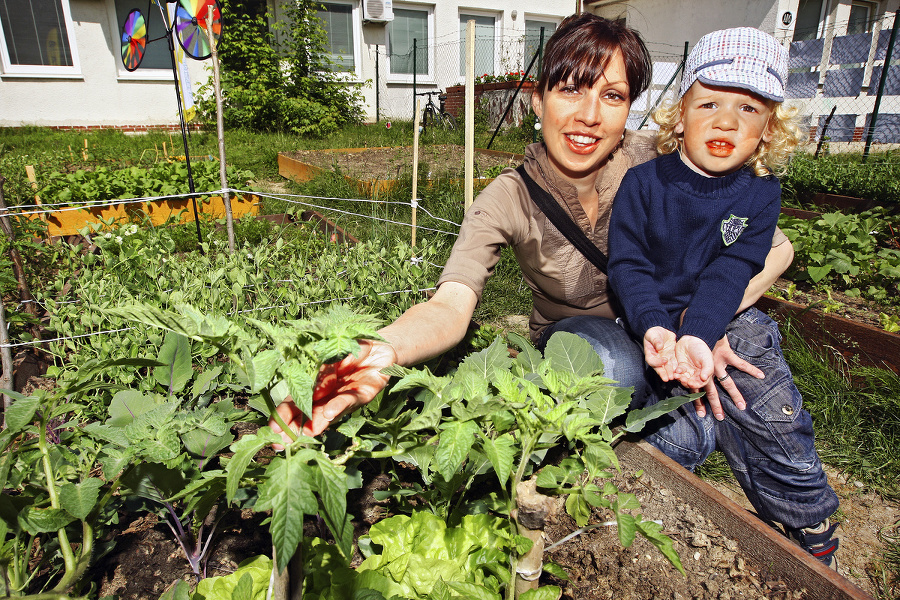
point(415, 106)
point(515, 95)
point(377, 88)
point(666, 89)
point(824, 131)
point(884, 72)
point(170, 38)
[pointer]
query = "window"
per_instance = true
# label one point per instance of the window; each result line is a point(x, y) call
point(533, 38)
point(338, 21)
point(484, 44)
point(156, 53)
point(809, 17)
point(37, 38)
point(860, 20)
point(410, 25)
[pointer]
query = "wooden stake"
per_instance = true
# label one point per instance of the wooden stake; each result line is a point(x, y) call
point(220, 130)
point(415, 173)
point(84, 152)
point(18, 268)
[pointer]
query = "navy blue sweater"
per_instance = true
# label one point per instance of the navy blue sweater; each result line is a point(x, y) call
point(679, 240)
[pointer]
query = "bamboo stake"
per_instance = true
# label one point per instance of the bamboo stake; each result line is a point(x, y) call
point(29, 171)
point(220, 130)
point(84, 152)
point(415, 167)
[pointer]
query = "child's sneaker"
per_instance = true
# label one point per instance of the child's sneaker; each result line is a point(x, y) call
point(817, 540)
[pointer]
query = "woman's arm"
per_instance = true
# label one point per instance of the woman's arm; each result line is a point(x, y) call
point(422, 332)
point(777, 261)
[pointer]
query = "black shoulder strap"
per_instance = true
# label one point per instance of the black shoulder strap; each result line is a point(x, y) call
point(561, 220)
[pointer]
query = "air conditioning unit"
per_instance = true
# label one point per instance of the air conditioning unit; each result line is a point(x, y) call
point(378, 11)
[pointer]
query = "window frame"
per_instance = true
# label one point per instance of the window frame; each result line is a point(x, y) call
point(356, 32)
point(462, 42)
point(140, 74)
point(426, 78)
point(536, 19)
point(9, 69)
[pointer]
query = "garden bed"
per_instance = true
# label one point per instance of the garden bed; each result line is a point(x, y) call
point(375, 170)
point(69, 221)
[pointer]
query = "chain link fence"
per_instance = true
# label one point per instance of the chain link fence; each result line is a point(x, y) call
point(836, 78)
point(839, 82)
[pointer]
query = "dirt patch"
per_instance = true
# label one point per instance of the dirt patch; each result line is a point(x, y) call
point(445, 160)
point(835, 303)
point(146, 560)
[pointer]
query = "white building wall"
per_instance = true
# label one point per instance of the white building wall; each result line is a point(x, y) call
point(104, 94)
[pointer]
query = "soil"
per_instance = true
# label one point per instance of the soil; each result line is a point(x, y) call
point(839, 303)
point(146, 561)
point(445, 160)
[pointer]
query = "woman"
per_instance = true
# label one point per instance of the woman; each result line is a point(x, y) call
point(593, 70)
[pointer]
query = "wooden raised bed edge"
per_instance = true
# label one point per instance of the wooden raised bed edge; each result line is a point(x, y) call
point(870, 345)
point(757, 540)
point(69, 222)
point(299, 171)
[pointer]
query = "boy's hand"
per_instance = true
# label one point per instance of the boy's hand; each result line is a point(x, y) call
point(694, 362)
point(659, 352)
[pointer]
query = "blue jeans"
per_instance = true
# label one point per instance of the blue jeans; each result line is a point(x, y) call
point(769, 446)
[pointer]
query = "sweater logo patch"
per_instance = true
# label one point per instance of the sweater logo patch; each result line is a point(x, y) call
point(732, 227)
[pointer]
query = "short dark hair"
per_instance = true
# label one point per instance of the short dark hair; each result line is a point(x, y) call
point(583, 45)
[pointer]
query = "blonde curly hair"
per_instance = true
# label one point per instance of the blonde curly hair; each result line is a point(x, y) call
point(770, 158)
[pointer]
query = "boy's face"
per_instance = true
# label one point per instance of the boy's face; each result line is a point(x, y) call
point(722, 128)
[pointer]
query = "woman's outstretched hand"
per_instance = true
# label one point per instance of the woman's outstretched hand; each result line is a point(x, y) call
point(341, 387)
point(724, 356)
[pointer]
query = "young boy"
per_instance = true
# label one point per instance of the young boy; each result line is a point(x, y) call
point(688, 231)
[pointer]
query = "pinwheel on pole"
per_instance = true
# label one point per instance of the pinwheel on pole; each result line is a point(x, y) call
point(188, 25)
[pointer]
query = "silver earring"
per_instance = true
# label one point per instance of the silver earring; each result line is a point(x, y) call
point(537, 125)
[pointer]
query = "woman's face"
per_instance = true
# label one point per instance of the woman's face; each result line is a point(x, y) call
point(581, 127)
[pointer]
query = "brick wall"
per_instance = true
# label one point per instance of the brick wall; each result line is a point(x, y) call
point(494, 98)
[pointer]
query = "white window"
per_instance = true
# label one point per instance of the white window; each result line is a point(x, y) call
point(533, 40)
point(810, 19)
point(157, 61)
point(860, 21)
point(340, 21)
point(484, 44)
point(411, 24)
point(37, 38)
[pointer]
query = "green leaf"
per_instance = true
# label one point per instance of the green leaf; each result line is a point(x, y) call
point(501, 452)
point(472, 591)
point(264, 365)
point(21, 413)
point(288, 494)
point(545, 592)
point(627, 527)
point(578, 509)
point(817, 274)
point(43, 520)
point(300, 384)
point(244, 450)
point(653, 532)
point(569, 352)
point(79, 499)
point(331, 484)
point(556, 570)
point(203, 445)
point(455, 442)
point(176, 354)
point(636, 419)
point(127, 405)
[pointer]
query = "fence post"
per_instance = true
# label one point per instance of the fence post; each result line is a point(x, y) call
point(378, 87)
point(884, 72)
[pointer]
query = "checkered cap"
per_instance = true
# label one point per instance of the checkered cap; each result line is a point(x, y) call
point(742, 57)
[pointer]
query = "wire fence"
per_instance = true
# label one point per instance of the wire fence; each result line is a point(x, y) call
point(319, 203)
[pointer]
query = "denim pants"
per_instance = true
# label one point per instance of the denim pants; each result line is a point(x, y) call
point(769, 445)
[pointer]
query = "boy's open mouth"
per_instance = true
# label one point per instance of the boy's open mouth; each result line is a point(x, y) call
point(720, 148)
